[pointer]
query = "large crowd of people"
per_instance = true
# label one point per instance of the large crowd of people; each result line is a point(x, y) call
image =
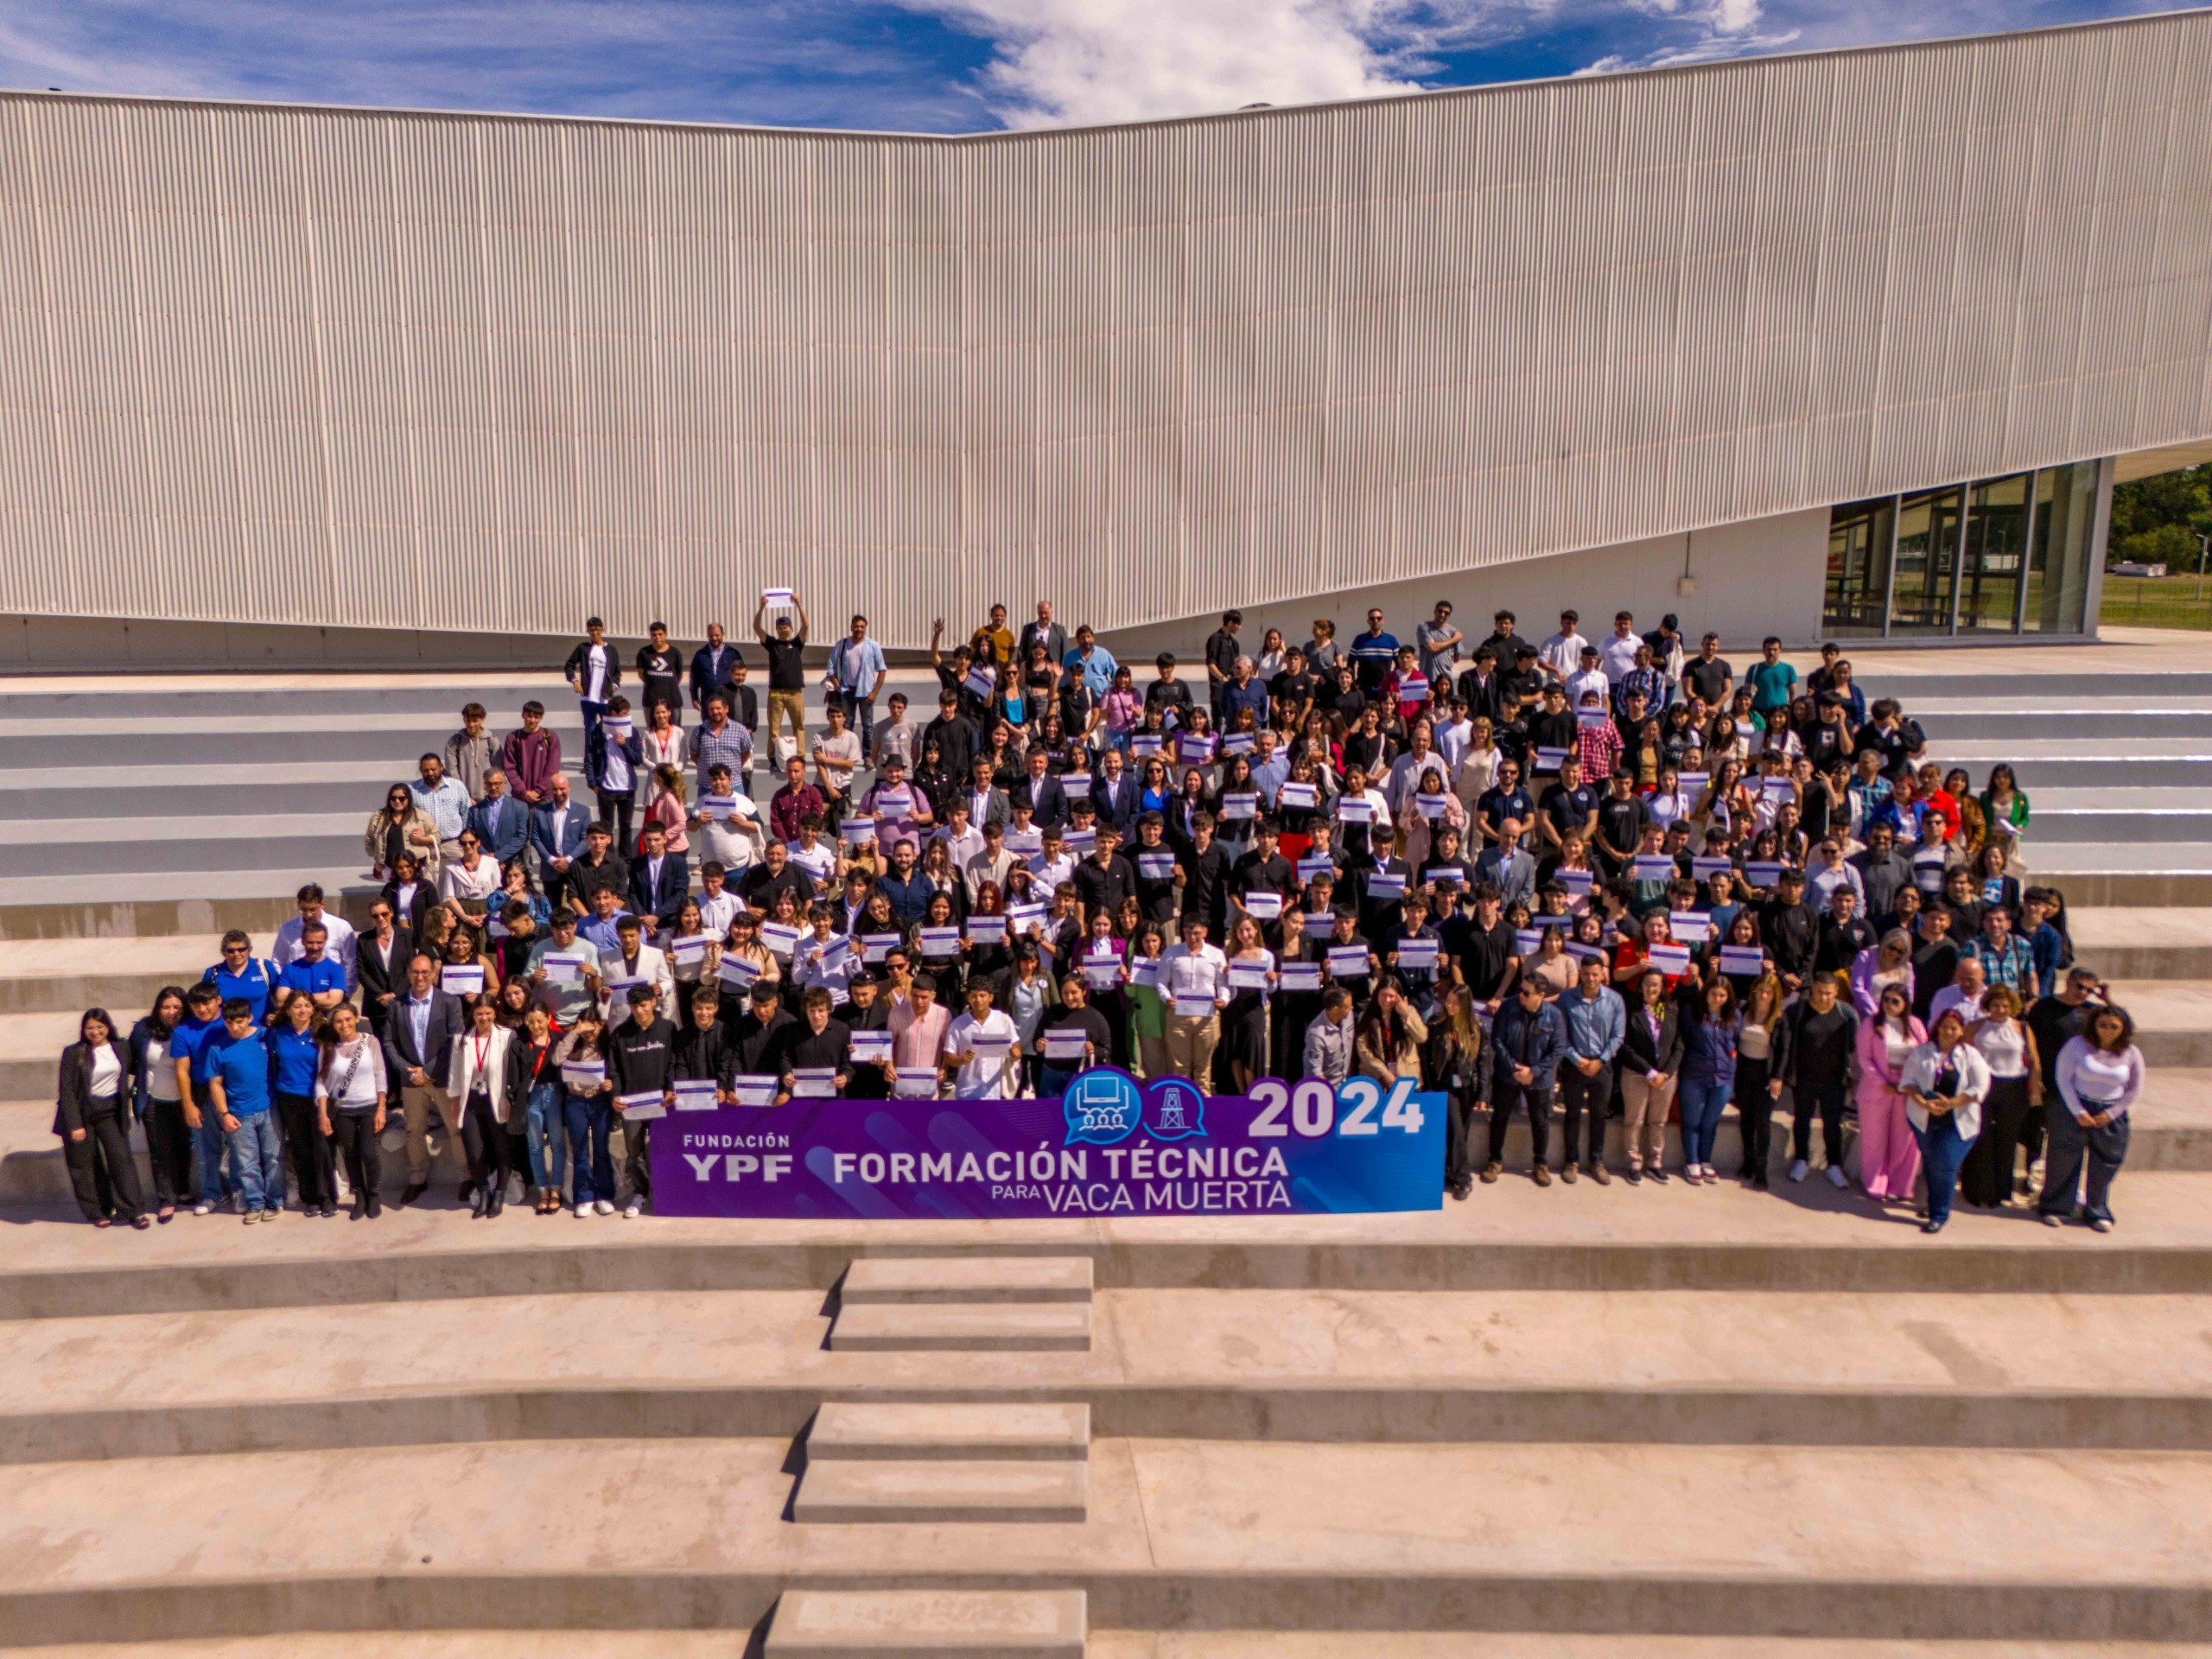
point(1611, 876)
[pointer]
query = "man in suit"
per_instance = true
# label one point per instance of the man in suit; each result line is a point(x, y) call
point(659, 879)
point(1114, 793)
point(713, 667)
point(501, 822)
point(1507, 867)
point(418, 1042)
point(1045, 795)
point(985, 804)
point(1043, 631)
point(556, 837)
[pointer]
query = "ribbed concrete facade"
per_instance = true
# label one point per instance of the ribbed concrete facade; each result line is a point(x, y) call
point(402, 370)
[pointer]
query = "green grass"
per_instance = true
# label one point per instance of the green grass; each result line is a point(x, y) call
point(2157, 601)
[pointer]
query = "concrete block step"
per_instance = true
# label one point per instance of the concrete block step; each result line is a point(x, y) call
point(2170, 944)
point(2100, 813)
point(263, 791)
point(1507, 1236)
point(1179, 1534)
point(961, 1327)
point(201, 901)
point(1016, 1431)
point(905, 1492)
point(1955, 1368)
point(929, 1625)
point(397, 742)
point(152, 847)
point(2072, 725)
point(2004, 674)
point(1551, 1644)
point(921, 1281)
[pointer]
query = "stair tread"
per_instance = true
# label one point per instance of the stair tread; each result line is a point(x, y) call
point(981, 1324)
point(1842, 1517)
point(920, 1491)
point(1008, 1428)
point(1028, 1622)
point(914, 1280)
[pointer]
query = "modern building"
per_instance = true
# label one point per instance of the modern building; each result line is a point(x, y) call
point(1848, 342)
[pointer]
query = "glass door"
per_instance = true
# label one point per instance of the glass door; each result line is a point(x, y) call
point(1928, 562)
point(1996, 555)
point(1859, 568)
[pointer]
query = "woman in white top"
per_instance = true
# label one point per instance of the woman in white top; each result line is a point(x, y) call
point(168, 1142)
point(351, 1091)
point(477, 1083)
point(1269, 662)
point(1944, 1083)
point(91, 1114)
point(2098, 1075)
point(1986, 1180)
point(1477, 768)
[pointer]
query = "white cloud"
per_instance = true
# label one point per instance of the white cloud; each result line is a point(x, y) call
point(1101, 61)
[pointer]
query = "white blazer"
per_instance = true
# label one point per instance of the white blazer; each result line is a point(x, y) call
point(1919, 1072)
point(461, 1078)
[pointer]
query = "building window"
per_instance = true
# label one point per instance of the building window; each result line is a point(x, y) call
point(2058, 549)
point(1996, 555)
point(1928, 562)
point(1859, 569)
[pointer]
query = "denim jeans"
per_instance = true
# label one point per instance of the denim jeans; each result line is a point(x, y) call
point(1052, 1080)
point(257, 1160)
point(860, 717)
point(1941, 1152)
point(593, 714)
point(589, 1123)
point(549, 1137)
point(207, 1144)
point(1701, 1100)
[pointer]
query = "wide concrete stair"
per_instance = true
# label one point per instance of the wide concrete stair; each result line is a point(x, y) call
point(1598, 1449)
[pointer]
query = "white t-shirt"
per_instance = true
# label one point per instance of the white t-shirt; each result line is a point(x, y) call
point(160, 1075)
point(1617, 656)
point(107, 1073)
point(985, 1076)
point(596, 674)
point(1562, 654)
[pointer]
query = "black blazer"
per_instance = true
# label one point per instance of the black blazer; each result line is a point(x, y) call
point(377, 978)
point(73, 1091)
point(408, 919)
point(445, 1023)
point(1639, 1053)
point(1116, 803)
point(660, 902)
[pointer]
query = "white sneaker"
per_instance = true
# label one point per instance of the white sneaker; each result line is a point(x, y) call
point(1837, 1177)
point(1799, 1170)
point(605, 1207)
point(584, 1210)
point(635, 1208)
point(203, 1208)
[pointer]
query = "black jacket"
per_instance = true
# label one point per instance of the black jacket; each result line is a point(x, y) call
point(639, 1059)
point(1815, 1048)
point(444, 1024)
point(1641, 1052)
point(707, 1052)
point(72, 1093)
point(377, 978)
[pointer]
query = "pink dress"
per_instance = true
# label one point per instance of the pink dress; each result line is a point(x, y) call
point(1889, 1158)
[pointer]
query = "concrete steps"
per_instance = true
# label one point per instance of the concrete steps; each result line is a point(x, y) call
point(929, 1625)
point(1180, 1534)
point(978, 1305)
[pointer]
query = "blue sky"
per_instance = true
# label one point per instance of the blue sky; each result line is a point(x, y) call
point(933, 66)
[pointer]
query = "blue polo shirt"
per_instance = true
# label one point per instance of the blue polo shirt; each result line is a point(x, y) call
point(254, 984)
point(301, 975)
point(243, 1065)
point(295, 1054)
point(191, 1042)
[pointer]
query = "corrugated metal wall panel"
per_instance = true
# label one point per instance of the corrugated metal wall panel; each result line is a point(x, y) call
point(453, 371)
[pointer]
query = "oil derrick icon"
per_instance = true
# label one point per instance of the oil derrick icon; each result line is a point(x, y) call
point(1171, 1118)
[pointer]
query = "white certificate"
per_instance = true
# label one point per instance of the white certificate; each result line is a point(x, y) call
point(1239, 743)
point(1193, 748)
point(1386, 884)
point(1101, 975)
point(1706, 868)
point(1020, 918)
point(1081, 841)
point(1762, 873)
point(1144, 970)
point(562, 969)
point(938, 942)
point(1348, 961)
point(1547, 758)
point(1690, 926)
point(1300, 795)
point(736, 971)
point(1156, 866)
point(1657, 868)
point(1417, 953)
point(1743, 961)
point(718, 808)
point(1248, 976)
point(1299, 976)
point(989, 1045)
point(583, 1077)
point(1432, 807)
point(1243, 803)
point(1670, 959)
point(1526, 941)
point(1313, 864)
point(754, 1088)
point(1692, 782)
point(874, 947)
point(1066, 1043)
point(1355, 808)
point(1142, 744)
point(857, 831)
point(1265, 906)
point(695, 1095)
point(771, 597)
point(814, 1082)
point(871, 1047)
point(1577, 882)
point(980, 682)
point(689, 948)
point(643, 1104)
point(894, 802)
point(1193, 1004)
point(1024, 843)
point(915, 1085)
point(991, 928)
point(780, 937)
point(1587, 952)
point(461, 979)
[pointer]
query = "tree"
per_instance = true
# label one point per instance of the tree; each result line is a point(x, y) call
point(2159, 519)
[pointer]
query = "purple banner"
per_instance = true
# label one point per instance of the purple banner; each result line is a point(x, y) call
point(1110, 1145)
